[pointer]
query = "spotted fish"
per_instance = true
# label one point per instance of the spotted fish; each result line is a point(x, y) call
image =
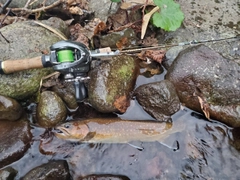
point(113, 130)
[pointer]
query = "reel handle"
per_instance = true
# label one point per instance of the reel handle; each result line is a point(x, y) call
point(10, 66)
point(80, 91)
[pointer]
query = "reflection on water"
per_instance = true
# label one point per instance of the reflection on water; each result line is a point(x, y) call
point(207, 150)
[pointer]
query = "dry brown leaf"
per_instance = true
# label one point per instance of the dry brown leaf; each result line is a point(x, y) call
point(84, 34)
point(76, 10)
point(128, 4)
point(122, 103)
point(10, 19)
point(122, 43)
point(204, 106)
point(146, 19)
point(149, 41)
point(100, 28)
point(93, 27)
point(83, 4)
point(117, 20)
point(156, 55)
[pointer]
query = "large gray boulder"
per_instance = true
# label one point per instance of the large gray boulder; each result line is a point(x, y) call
point(26, 40)
point(201, 76)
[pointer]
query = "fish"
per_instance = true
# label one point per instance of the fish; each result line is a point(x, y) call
point(113, 130)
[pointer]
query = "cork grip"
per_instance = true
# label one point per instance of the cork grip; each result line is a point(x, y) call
point(10, 66)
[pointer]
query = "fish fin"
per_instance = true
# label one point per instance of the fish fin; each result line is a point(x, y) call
point(136, 147)
point(89, 136)
point(175, 145)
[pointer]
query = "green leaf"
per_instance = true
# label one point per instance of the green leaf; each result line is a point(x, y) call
point(116, 1)
point(170, 16)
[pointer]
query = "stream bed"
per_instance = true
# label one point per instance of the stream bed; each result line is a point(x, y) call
point(200, 149)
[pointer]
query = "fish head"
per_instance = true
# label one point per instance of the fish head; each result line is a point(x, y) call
point(71, 131)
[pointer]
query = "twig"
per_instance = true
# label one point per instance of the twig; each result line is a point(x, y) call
point(9, 10)
point(124, 26)
point(52, 30)
point(144, 7)
point(33, 2)
point(4, 38)
point(44, 2)
point(26, 5)
point(29, 11)
point(4, 7)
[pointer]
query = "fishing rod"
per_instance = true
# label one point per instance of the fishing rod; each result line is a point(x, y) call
point(159, 46)
point(72, 59)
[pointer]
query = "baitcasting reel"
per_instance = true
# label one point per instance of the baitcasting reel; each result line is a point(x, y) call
point(73, 60)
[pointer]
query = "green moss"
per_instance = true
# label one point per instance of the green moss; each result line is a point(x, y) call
point(125, 72)
point(111, 80)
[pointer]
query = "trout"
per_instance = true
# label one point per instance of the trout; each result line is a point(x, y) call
point(113, 130)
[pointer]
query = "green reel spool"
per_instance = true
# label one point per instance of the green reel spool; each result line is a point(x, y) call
point(65, 56)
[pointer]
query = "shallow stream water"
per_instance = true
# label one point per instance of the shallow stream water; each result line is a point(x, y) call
point(201, 149)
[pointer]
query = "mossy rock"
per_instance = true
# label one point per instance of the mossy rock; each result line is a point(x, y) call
point(26, 40)
point(111, 84)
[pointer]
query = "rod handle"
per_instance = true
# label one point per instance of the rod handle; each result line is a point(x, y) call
point(10, 66)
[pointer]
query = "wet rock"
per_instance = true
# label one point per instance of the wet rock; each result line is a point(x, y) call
point(104, 177)
point(53, 170)
point(234, 140)
point(102, 8)
point(121, 39)
point(15, 140)
point(26, 40)
point(10, 109)
point(209, 22)
point(67, 93)
point(8, 173)
point(159, 99)
point(201, 73)
point(51, 110)
point(111, 83)
point(170, 56)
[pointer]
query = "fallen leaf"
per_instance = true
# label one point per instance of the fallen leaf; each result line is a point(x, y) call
point(84, 34)
point(117, 20)
point(122, 103)
point(79, 34)
point(100, 28)
point(6, 20)
point(122, 43)
point(146, 19)
point(204, 106)
point(149, 41)
point(128, 4)
point(76, 10)
point(83, 4)
point(156, 55)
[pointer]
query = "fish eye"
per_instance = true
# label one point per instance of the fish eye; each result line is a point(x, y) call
point(67, 126)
